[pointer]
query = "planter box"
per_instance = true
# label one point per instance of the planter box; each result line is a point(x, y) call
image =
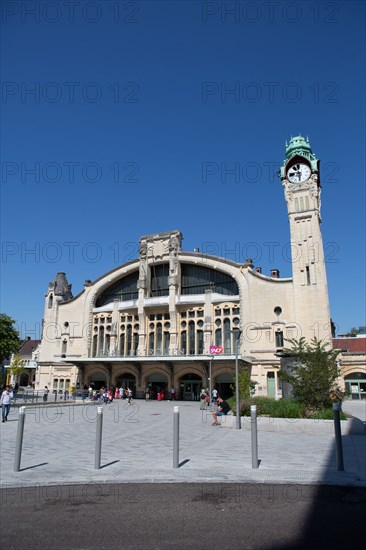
point(295, 425)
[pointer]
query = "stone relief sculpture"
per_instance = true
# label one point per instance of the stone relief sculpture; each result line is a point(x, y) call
point(141, 283)
point(173, 260)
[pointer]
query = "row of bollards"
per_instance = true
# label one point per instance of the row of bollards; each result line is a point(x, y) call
point(254, 437)
point(99, 430)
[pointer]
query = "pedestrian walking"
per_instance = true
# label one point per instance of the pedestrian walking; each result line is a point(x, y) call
point(45, 394)
point(6, 397)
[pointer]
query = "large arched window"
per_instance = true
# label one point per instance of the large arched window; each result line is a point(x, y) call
point(198, 279)
point(159, 280)
point(122, 290)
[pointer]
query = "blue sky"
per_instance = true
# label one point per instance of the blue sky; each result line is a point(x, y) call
point(121, 119)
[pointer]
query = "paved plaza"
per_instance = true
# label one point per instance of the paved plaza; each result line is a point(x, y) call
point(137, 446)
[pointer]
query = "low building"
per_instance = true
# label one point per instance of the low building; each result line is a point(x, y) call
point(28, 353)
point(352, 364)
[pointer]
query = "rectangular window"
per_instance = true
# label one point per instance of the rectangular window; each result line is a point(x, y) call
point(200, 341)
point(151, 343)
point(166, 343)
point(279, 339)
point(122, 344)
point(184, 342)
point(308, 281)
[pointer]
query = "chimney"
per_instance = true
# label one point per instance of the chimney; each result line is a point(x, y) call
point(258, 269)
point(275, 273)
point(249, 262)
point(196, 250)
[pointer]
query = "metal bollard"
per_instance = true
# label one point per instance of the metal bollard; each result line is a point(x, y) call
point(19, 439)
point(338, 435)
point(98, 441)
point(176, 437)
point(253, 429)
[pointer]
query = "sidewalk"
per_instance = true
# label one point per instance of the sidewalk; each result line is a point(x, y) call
point(59, 446)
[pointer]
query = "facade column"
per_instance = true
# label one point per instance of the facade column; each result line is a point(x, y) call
point(208, 322)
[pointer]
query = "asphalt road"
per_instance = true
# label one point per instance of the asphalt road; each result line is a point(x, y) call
point(182, 516)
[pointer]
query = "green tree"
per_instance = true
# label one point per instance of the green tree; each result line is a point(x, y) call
point(353, 332)
point(312, 373)
point(246, 385)
point(17, 367)
point(9, 337)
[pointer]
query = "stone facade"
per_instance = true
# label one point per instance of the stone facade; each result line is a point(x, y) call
point(152, 321)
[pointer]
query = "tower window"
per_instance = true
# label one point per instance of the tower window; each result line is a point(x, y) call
point(279, 339)
point(308, 275)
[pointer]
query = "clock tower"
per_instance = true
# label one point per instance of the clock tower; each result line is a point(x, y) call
point(301, 182)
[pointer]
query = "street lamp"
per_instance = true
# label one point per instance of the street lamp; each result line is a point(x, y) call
point(237, 334)
point(210, 379)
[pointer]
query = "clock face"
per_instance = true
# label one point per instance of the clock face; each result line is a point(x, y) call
point(298, 173)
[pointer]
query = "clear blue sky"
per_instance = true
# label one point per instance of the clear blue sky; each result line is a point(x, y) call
point(131, 126)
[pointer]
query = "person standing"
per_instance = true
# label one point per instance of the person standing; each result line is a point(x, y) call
point(203, 400)
point(45, 394)
point(5, 402)
point(214, 395)
point(129, 396)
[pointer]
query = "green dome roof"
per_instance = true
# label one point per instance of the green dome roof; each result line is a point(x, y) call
point(298, 146)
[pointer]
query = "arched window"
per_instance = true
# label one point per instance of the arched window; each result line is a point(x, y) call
point(107, 343)
point(122, 344)
point(227, 336)
point(55, 383)
point(135, 342)
point(151, 343)
point(129, 339)
point(200, 341)
point(122, 290)
point(166, 343)
point(95, 343)
point(159, 338)
point(64, 347)
point(198, 279)
point(191, 338)
point(101, 340)
point(218, 337)
point(183, 342)
point(50, 301)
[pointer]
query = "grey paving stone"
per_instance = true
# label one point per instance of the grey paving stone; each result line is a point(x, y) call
point(59, 446)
